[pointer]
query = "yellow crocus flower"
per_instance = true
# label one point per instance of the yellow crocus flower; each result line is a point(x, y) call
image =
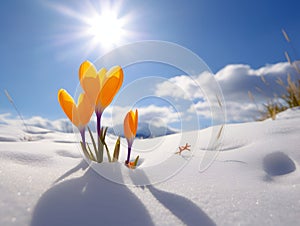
point(100, 86)
point(130, 128)
point(80, 113)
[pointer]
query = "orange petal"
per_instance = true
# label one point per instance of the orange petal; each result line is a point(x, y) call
point(91, 87)
point(85, 109)
point(116, 71)
point(87, 69)
point(136, 121)
point(68, 105)
point(102, 75)
point(89, 81)
point(111, 86)
point(127, 131)
point(133, 122)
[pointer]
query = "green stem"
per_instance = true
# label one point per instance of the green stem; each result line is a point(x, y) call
point(94, 144)
point(107, 151)
point(100, 151)
point(99, 131)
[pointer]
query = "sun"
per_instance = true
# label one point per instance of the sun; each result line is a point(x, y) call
point(94, 26)
point(106, 29)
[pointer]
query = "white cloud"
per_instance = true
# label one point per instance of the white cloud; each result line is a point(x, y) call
point(152, 112)
point(234, 110)
point(179, 87)
point(115, 115)
point(60, 125)
point(235, 82)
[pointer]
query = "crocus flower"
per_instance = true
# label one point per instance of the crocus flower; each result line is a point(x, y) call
point(130, 128)
point(100, 86)
point(80, 113)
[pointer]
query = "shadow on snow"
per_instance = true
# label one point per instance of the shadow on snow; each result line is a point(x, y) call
point(92, 200)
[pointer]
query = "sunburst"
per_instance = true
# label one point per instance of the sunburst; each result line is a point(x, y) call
point(103, 26)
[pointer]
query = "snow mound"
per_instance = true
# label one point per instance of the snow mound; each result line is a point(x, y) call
point(278, 163)
point(290, 113)
point(254, 180)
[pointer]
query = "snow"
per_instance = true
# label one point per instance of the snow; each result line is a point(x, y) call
point(254, 180)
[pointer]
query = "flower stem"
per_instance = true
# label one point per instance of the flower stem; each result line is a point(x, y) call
point(128, 155)
point(98, 114)
point(99, 134)
point(82, 133)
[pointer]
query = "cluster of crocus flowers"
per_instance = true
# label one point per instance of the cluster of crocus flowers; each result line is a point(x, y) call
point(99, 89)
point(100, 86)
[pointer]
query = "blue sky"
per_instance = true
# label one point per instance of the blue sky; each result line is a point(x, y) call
point(41, 51)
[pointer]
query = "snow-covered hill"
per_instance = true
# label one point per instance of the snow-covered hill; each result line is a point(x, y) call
point(145, 130)
point(255, 179)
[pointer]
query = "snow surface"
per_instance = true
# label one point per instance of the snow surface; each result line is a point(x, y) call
point(255, 179)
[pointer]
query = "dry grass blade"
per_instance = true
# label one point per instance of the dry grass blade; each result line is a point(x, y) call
point(288, 57)
point(10, 99)
point(295, 65)
point(258, 89)
point(291, 97)
point(117, 150)
point(136, 160)
point(219, 102)
point(287, 38)
point(251, 97)
point(220, 132)
point(263, 79)
point(291, 84)
point(280, 82)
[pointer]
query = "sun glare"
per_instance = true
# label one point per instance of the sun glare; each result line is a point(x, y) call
point(106, 29)
point(101, 25)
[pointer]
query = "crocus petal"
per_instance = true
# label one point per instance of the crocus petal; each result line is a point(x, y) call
point(102, 75)
point(68, 105)
point(133, 122)
point(111, 85)
point(116, 71)
point(90, 81)
point(136, 122)
point(84, 109)
point(87, 69)
point(127, 130)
